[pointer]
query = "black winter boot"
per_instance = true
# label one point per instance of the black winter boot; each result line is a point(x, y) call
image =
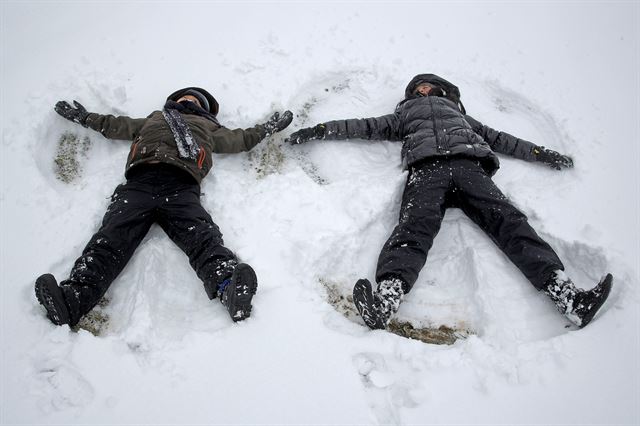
point(236, 293)
point(223, 270)
point(52, 298)
point(578, 305)
point(376, 309)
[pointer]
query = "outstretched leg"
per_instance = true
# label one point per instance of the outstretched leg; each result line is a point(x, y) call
point(188, 224)
point(423, 206)
point(124, 225)
point(191, 228)
point(405, 252)
point(507, 226)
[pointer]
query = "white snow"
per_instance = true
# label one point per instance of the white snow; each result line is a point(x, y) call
point(563, 75)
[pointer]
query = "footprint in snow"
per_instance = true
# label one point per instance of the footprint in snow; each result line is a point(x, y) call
point(387, 391)
point(62, 388)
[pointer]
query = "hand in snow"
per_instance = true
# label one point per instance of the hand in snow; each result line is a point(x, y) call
point(78, 114)
point(553, 159)
point(277, 123)
point(306, 134)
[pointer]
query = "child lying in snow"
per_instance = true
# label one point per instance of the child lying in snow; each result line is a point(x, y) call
point(450, 157)
point(169, 156)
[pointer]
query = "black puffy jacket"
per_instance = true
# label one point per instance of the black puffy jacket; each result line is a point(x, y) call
point(434, 126)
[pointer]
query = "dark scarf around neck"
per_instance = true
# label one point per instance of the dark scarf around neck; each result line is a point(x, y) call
point(187, 145)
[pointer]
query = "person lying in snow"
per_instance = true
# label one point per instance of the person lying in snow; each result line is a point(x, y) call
point(450, 157)
point(169, 157)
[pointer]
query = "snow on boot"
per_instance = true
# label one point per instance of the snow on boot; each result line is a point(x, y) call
point(224, 269)
point(578, 305)
point(376, 309)
point(52, 298)
point(236, 293)
point(390, 295)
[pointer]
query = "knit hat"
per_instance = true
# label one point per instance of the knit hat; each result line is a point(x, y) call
point(207, 101)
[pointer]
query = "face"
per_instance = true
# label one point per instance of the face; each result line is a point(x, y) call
point(189, 98)
point(424, 89)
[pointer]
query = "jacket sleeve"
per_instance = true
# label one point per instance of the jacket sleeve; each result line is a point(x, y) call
point(502, 142)
point(226, 141)
point(113, 127)
point(375, 128)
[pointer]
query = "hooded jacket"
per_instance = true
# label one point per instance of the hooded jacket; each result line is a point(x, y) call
point(153, 141)
point(434, 126)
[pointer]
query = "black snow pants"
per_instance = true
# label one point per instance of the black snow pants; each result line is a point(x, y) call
point(435, 184)
point(155, 193)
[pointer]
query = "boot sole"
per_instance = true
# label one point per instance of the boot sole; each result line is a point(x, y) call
point(50, 296)
point(606, 285)
point(363, 299)
point(244, 286)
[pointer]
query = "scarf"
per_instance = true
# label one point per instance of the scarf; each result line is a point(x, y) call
point(187, 145)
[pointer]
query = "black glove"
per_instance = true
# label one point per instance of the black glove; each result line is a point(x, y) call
point(277, 123)
point(78, 114)
point(306, 134)
point(553, 159)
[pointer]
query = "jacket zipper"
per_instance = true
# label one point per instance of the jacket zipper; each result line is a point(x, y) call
point(435, 127)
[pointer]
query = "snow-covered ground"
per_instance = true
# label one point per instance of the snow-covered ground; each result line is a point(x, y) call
point(312, 219)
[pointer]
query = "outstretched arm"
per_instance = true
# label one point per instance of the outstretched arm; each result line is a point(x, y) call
point(375, 128)
point(110, 126)
point(507, 144)
point(239, 140)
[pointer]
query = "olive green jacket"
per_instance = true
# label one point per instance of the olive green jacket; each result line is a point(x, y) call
point(153, 141)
